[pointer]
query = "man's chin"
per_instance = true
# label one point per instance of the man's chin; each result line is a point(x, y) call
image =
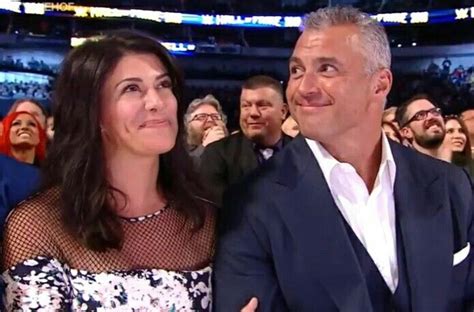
point(254, 135)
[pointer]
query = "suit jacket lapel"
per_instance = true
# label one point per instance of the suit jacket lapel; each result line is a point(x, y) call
point(419, 194)
point(248, 160)
point(313, 217)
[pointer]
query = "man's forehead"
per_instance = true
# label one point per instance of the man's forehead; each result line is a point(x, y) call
point(468, 114)
point(340, 42)
point(205, 107)
point(419, 105)
point(258, 93)
point(341, 34)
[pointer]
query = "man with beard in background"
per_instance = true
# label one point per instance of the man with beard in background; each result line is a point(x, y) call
point(421, 123)
point(205, 123)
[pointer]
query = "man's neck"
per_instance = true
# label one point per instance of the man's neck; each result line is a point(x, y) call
point(433, 152)
point(24, 155)
point(269, 141)
point(364, 155)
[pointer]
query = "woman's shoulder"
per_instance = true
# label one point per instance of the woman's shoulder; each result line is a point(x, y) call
point(31, 229)
point(37, 209)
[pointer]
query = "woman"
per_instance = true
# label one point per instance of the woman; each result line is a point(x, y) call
point(31, 106)
point(391, 131)
point(121, 223)
point(457, 140)
point(23, 139)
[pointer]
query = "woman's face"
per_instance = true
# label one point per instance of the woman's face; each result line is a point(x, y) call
point(139, 109)
point(24, 131)
point(390, 133)
point(34, 110)
point(455, 136)
point(50, 128)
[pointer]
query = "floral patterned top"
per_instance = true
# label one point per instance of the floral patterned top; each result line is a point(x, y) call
point(45, 284)
point(163, 263)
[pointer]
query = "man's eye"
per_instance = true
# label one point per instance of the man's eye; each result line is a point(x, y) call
point(296, 70)
point(327, 68)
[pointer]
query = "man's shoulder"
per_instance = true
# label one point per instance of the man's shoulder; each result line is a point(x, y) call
point(271, 172)
point(427, 166)
point(227, 141)
point(228, 146)
point(11, 167)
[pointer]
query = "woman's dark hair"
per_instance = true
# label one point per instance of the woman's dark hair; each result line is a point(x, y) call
point(461, 158)
point(75, 161)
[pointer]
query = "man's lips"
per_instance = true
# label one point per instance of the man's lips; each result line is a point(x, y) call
point(312, 104)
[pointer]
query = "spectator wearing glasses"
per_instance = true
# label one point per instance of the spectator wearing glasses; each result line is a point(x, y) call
point(262, 112)
point(421, 123)
point(205, 123)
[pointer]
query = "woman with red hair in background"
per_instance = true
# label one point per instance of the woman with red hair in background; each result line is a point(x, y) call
point(23, 138)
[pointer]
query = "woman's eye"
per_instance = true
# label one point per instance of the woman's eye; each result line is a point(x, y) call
point(165, 84)
point(131, 88)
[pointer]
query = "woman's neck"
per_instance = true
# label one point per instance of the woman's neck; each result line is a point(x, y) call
point(24, 155)
point(135, 177)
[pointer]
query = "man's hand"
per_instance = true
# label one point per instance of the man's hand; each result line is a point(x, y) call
point(213, 134)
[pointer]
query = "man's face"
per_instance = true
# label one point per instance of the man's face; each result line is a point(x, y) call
point(426, 127)
point(262, 112)
point(329, 90)
point(200, 120)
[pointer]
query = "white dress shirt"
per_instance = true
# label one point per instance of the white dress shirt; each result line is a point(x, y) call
point(371, 216)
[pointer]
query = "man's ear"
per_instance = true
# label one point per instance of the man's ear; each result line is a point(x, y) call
point(284, 111)
point(407, 133)
point(383, 83)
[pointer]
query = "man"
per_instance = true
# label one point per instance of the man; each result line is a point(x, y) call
point(205, 123)
point(17, 182)
point(343, 220)
point(262, 112)
point(422, 124)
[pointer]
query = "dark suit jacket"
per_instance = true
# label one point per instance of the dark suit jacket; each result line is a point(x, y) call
point(17, 182)
point(283, 240)
point(227, 161)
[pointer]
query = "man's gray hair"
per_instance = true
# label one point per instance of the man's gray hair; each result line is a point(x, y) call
point(375, 45)
point(196, 103)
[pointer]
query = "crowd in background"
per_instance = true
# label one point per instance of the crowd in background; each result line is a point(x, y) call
point(115, 243)
point(25, 89)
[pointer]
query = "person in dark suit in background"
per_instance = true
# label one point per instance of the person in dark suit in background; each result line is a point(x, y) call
point(342, 219)
point(262, 112)
point(17, 182)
